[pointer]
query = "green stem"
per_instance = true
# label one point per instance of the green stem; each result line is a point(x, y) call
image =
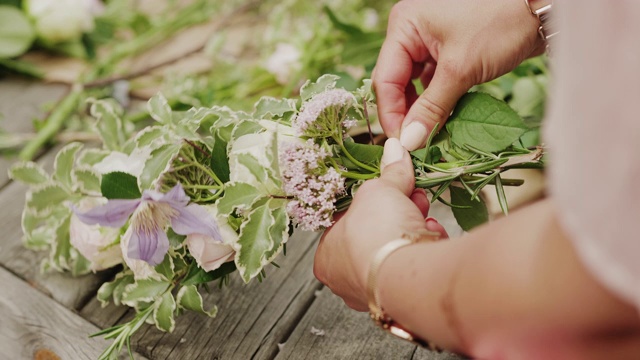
point(354, 160)
point(53, 124)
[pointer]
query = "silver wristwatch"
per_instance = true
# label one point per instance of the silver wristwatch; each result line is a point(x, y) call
point(547, 28)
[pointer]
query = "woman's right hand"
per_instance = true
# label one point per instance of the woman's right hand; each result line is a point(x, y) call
point(450, 46)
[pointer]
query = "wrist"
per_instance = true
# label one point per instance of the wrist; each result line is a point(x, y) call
point(541, 11)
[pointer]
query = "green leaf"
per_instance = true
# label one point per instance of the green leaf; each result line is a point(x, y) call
point(61, 255)
point(159, 109)
point(255, 242)
point(108, 289)
point(147, 290)
point(198, 275)
point(269, 107)
point(63, 166)
point(189, 298)
point(90, 157)
point(109, 124)
point(324, 83)
point(152, 136)
point(246, 127)
point(119, 185)
point(166, 268)
point(469, 213)
point(39, 238)
point(238, 196)
point(158, 162)
point(28, 173)
point(163, 313)
point(253, 165)
point(485, 123)
point(368, 154)
point(87, 180)
point(16, 32)
point(220, 159)
point(279, 231)
point(529, 95)
point(21, 67)
point(44, 198)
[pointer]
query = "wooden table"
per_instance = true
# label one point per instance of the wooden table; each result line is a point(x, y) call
point(288, 316)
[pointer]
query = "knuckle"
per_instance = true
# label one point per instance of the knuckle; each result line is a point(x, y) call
point(433, 111)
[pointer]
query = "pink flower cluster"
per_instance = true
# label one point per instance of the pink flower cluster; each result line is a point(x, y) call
point(310, 120)
point(313, 185)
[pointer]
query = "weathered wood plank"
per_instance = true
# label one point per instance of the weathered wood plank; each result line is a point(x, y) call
point(331, 330)
point(20, 103)
point(69, 291)
point(252, 320)
point(32, 322)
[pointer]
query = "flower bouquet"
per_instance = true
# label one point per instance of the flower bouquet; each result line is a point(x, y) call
point(210, 191)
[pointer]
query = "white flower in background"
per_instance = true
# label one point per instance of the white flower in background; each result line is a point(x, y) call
point(117, 161)
point(209, 253)
point(96, 243)
point(62, 20)
point(284, 62)
point(371, 18)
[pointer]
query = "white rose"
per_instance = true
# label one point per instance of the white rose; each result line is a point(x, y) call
point(95, 242)
point(284, 62)
point(209, 253)
point(61, 20)
point(130, 164)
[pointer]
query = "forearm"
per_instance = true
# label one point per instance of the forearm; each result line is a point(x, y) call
point(490, 290)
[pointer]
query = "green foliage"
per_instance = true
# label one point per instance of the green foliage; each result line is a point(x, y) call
point(29, 173)
point(64, 163)
point(163, 311)
point(219, 159)
point(483, 122)
point(16, 32)
point(469, 213)
point(158, 163)
point(238, 196)
point(147, 290)
point(119, 185)
point(198, 275)
point(190, 299)
point(324, 83)
point(109, 124)
point(269, 107)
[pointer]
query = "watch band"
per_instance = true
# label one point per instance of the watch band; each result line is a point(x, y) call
point(547, 28)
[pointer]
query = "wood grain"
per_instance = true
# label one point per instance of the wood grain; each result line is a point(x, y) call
point(331, 330)
point(32, 322)
point(20, 102)
point(252, 320)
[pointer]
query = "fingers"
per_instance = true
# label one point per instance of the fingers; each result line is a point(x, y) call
point(433, 107)
point(419, 198)
point(393, 73)
point(435, 226)
point(397, 169)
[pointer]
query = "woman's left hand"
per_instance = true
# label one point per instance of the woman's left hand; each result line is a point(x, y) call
point(383, 209)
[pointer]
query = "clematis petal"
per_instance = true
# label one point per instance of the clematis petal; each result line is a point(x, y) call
point(195, 219)
point(148, 246)
point(114, 213)
point(176, 197)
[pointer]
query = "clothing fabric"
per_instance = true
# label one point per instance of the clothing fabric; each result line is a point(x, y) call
point(593, 137)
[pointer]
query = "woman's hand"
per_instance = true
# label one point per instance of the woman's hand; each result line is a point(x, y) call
point(382, 210)
point(450, 46)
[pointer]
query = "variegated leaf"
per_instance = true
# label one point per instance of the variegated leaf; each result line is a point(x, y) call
point(190, 299)
point(64, 162)
point(159, 162)
point(28, 173)
point(324, 83)
point(159, 109)
point(163, 312)
point(109, 125)
point(269, 107)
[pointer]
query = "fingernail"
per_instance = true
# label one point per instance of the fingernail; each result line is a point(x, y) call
point(393, 152)
point(413, 136)
point(431, 220)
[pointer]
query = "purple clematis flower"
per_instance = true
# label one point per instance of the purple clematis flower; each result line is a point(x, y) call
point(151, 215)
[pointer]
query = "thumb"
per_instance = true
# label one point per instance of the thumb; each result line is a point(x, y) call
point(397, 169)
point(433, 107)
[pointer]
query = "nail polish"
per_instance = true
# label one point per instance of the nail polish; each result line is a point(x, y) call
point(413, 136)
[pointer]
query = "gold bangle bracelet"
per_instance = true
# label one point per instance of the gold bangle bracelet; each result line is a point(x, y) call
point(376, 311)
